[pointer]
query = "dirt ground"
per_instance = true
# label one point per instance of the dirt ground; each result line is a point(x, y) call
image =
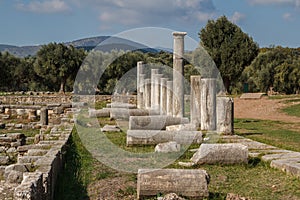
point(264, 108)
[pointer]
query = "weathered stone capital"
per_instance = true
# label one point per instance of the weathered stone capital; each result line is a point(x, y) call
point(179, 34)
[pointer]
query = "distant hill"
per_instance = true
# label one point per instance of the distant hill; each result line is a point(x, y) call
point(107, 44)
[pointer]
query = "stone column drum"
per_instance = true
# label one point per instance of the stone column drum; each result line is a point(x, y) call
point(44, 116)
point(147, 93)
point(178, 74)
point(156, 104)
point(170, 98)
point(195, 107)
point(140, 95)
point(153, 73)
point(163, 96)
point(208, 104)
point(225, 116)
point(140, 70)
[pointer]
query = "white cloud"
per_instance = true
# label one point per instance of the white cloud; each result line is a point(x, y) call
point(47, 6)
point(149, 13)
point(287, 16)
point(279, 2)
point(237, 17)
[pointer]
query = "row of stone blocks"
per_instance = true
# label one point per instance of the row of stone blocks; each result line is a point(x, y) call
point(191, 183)
point(38, 166)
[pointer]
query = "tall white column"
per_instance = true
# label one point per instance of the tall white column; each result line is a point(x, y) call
point(140, 70)
point(195, 107)
point(170, 98)
point(178, 74)
point(163, 96)
point(153, 73)
point(208, 104)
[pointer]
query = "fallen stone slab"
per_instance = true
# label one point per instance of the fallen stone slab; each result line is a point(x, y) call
point(152, 137)
point(183, 182)
point(252, 95)
point(154, 122)
point(290, 166)
point(99, 113)
point(27, 159)
point(121, 105)
point(33, 146)
point(182, 127)
point(124, 113)
point(167, 147)
point(231, 153)
point(110, 128)
point(4, 160)
point(36, 152)
point(271, 157)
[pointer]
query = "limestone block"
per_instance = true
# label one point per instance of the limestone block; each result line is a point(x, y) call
point(99, 113)
point(188, 183)
point(225, 116)
point(231, 153)
point(167, 147)
point(154, 122)
point(4, 160)
point(110, 128)
point(15, 167)
point(124, 113)
point(27, 159)
point(14, 177)
point(151, 137)
point(289, 165)
point(36, 152)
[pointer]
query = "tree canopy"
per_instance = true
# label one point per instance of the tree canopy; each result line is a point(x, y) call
point(57, 63)
point(230, 48)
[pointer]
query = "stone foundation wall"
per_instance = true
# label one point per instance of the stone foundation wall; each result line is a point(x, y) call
point(50, 99)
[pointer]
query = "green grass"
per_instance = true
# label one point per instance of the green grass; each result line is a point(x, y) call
point(76, 175)
point(274, 133)
point(284, 96)
point(293, 110)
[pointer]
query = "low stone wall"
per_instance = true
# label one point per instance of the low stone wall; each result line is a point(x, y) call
point(48, 99)
point(47, 158)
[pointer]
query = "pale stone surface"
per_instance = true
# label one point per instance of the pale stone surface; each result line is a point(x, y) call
point(195, 102)
point(270, 157)
point(14, 177)
point(4, 160)
point(167, 147)
point(231, 153)
point(110, 128)
point(147, 93)
point(99, 113)
point(170, 98)
point(156, 103)
point(208, 104)
point(154, 122)
point(163, 96)
point(44, 116)
point(182, 127)
point(140, 71)
point(178, 74)
point(288, 165)
point(123, 113)
point(121, 105)
point(225, 116)
point(187, 183)
point(153, 92)
point(150, 137)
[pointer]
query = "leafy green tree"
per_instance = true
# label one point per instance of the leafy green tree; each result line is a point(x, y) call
point(8, 64)
point(56, 63)
point(230, 48)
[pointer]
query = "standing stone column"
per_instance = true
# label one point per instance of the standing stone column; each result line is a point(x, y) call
point(208, 104)
point(156, 105)
point(140, 70)
point(170, 98)
point(195, 108)
point(153, 73)
point(225, 116)
point(147, 93)
point(178, 75)
point(163, 96)
point(141, 103)
point(44, 116)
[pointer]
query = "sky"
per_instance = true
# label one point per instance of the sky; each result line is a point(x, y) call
point(23, 22)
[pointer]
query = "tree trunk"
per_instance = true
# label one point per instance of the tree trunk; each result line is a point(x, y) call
point(227, 85)
point(62, 87)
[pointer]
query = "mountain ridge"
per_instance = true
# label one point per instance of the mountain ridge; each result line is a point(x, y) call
point(108, 43)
